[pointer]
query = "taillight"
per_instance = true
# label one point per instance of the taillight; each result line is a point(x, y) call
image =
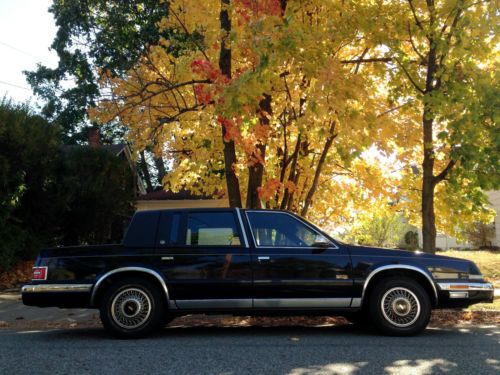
point(39, 273)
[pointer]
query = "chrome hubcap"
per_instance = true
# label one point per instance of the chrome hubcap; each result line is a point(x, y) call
point(400, 307)
point(131, 308)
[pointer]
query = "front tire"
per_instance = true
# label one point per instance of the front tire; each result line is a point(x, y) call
point(400, 307)
point(132, 308)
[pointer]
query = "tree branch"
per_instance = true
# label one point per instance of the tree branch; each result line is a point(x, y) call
point(368, 60)
point(440, 177)
point(410, 77)
point(417, 21)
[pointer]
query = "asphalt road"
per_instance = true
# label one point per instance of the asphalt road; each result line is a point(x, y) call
point(254, 350)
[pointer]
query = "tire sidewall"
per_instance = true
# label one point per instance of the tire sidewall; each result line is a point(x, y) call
point(376, 310)
point(156, 316)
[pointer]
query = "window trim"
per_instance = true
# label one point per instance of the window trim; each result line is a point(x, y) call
point(300, 220)
point(242, 227)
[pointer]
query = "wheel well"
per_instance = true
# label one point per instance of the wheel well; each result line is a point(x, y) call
point(417, 276)
point(109, 280)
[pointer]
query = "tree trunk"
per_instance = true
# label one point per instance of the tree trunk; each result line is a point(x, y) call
point(428, 185)
point(256, 172)
point(287, 197)
point(143, 164)
point(160, 167)
point(319, 168)
point(232, 182)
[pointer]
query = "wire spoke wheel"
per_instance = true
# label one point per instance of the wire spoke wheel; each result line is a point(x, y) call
point(400, 307)
point(131, 308)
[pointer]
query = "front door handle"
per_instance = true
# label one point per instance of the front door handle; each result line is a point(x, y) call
point(263, 259)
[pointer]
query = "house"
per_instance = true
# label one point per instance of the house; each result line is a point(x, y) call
point(162, 199)
point(494, 199)
point(121, 150)
point(155, 200)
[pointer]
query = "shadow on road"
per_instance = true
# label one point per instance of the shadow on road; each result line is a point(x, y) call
point(178, 331)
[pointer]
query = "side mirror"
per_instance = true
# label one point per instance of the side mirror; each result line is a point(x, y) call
point(321, 241)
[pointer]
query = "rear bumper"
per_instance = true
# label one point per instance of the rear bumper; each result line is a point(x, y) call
point(57, 295)
point(463, 294)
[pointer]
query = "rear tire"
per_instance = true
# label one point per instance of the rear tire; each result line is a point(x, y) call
point(132, 308)
point(399, 307)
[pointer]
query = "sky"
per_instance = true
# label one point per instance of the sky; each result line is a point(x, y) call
point(26, 33)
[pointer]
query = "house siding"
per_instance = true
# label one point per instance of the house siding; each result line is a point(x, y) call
point(494, 199)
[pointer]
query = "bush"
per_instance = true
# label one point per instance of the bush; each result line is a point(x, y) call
point(49, 197)
point(28, 152)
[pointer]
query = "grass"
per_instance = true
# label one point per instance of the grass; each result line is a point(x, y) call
point(487, 261)
point(489, 264)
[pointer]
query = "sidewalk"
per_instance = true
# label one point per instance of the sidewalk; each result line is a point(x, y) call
point(13, 314)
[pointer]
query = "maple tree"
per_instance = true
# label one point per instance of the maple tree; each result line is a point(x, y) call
point(277, 87)
point(283, 102)
point(444, 76)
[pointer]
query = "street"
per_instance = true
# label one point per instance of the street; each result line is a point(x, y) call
point(251, 350)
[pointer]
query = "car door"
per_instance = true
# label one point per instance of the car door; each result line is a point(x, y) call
point(291, 269)
point(205, 258)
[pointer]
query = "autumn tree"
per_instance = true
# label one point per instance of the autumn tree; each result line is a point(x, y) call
point(443, 75)
point(273, 98)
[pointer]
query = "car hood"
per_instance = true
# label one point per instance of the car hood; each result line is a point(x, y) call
point(380, 251)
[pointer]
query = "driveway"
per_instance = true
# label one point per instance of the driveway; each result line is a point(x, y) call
point(253, 350)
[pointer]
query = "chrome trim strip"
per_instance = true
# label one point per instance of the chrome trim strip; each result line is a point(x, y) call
point(397, 266)
point(301, 302)
point(476, 277)
point(242, 227)
point(300, 220)
point(470, 286)
point(214, 303)
point(125, 269)
point(43, 288)
point(356, 302)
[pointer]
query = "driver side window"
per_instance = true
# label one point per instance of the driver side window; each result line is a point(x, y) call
point(280, 230)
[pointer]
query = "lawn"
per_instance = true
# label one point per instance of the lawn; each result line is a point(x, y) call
point(487, 261)
point(489, 264)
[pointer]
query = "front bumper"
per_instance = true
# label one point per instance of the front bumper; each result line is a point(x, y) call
point(57, 295)
point(463, 294)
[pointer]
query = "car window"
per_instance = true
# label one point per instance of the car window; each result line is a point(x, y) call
point(212, 229)
point(168, 229)
point(280, 229)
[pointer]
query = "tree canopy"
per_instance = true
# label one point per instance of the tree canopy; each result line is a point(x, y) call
point(323, 108)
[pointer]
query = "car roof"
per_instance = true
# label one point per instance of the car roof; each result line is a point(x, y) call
point(208, 209)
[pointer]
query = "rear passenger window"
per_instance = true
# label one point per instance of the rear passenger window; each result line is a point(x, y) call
point(212, 229)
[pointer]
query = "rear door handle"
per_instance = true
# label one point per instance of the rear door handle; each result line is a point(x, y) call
point(263, 259)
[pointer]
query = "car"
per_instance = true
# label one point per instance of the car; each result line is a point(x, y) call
point(248, 262)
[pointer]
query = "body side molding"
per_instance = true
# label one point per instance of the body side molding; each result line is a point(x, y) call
point(128, 269)
point(357, 302)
